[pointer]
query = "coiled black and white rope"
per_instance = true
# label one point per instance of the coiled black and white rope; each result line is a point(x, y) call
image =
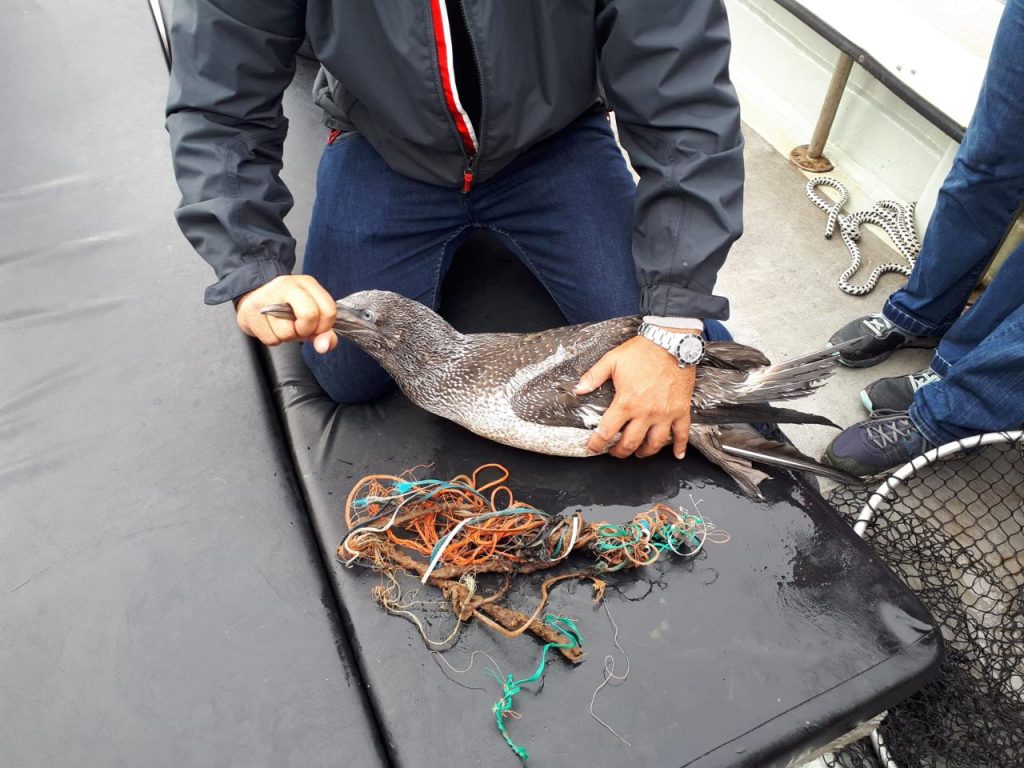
point(897, 219)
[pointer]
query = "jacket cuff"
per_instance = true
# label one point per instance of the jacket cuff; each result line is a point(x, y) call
point(251, 275)
point(672, 301)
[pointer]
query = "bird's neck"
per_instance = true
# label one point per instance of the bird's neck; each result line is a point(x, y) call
point(422, 361)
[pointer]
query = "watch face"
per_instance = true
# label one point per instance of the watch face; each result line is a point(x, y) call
point(690, 350)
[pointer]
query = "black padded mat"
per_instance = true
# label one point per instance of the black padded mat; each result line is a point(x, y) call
point(756, 652)
point(161, 599)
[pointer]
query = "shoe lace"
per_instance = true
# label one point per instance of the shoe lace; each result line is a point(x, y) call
point(879, 325)
point(921, 378)
point(890, 431)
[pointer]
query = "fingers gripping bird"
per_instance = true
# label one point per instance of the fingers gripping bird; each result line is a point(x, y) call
point(518, 388)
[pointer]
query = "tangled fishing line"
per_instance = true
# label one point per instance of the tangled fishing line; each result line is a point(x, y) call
point(450, 533)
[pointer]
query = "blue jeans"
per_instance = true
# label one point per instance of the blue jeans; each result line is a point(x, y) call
point(981, 355)
point(564, 208)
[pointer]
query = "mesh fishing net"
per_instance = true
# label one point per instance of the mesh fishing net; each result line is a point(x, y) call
point(954, 531)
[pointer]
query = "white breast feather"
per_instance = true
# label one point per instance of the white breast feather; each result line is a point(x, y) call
point(490, 414)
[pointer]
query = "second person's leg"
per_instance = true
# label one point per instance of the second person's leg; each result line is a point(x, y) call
point(984, 390)
point(982, 393)
point(978, 198)
point(997, 302)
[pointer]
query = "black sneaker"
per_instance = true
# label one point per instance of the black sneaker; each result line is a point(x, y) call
point(896, 393)
point(876, 445)
point(871, 339)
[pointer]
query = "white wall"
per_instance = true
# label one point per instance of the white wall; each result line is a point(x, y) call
point(880, 146)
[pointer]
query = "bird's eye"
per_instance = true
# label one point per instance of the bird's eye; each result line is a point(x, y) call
point(369, 315)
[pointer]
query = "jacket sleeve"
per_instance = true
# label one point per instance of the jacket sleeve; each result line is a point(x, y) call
point(231, 62)
point(664, 66)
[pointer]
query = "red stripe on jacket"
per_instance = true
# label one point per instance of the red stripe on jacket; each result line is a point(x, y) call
point(438, 12)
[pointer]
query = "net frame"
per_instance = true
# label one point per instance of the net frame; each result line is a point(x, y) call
point(927, 458)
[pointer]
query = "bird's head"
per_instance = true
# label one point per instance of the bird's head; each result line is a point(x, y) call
point(403, 335)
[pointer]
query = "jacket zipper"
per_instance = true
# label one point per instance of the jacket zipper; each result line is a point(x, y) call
point(467, 174)
point(467, 177)
point(463, 125)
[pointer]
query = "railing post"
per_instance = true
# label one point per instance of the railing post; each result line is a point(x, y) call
point(810, 157)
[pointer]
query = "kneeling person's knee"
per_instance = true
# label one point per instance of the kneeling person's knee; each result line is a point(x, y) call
point(348, 375)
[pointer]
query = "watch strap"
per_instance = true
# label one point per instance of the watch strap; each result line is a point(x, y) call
point(680, 323)
point(671, 342)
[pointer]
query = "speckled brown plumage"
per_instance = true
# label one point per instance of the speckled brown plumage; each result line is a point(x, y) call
point(517, 389)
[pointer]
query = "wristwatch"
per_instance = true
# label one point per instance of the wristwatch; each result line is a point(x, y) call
point(687, 348)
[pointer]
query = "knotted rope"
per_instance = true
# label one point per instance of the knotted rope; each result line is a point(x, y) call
point(896, 219)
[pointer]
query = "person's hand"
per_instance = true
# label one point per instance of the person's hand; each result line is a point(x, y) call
point(314, 313)
point(652, 400)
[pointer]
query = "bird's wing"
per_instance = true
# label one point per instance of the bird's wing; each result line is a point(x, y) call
point(552, 363)
point(785, 381)
point(741, 441)
point(707, 439)
point(735, 447)
point(731, 354)
point(734, 381)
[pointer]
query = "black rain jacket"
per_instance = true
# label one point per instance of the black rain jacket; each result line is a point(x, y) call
point(661, 65)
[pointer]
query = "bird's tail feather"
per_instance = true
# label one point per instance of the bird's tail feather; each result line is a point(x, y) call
point(789, 379)
point(757, 412)
point(818, 354)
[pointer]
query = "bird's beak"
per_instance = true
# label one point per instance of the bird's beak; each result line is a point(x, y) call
point(349, 319)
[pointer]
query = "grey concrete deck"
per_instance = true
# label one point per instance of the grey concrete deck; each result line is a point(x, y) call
point(781, 278)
